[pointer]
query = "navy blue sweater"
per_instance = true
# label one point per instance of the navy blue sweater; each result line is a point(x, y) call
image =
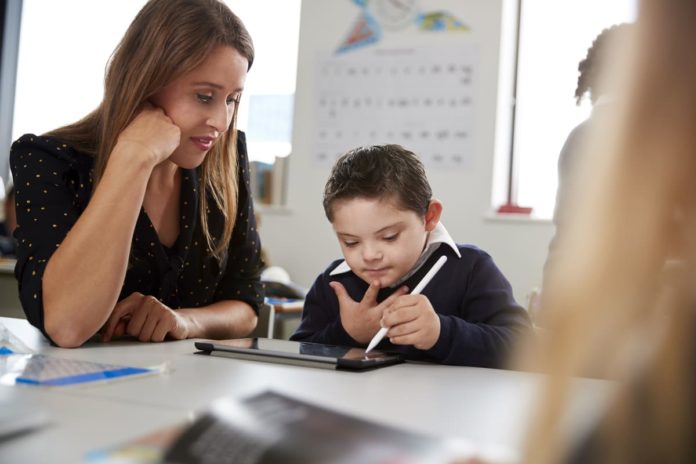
point(479, 318)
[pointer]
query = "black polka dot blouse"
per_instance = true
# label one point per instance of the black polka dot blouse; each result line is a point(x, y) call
point(54, 184)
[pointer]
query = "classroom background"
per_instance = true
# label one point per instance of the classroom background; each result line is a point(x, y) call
point(481, 89)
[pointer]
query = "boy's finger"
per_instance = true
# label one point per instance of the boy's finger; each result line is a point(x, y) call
point(403, 302)
point(402, 339)
point(404, 328)
point(370, 297)
point(341, 293)
point(389, 301)
point(397, 316)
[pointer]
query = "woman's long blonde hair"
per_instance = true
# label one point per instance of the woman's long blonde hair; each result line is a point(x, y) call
point(614, 310)
point(167, 39)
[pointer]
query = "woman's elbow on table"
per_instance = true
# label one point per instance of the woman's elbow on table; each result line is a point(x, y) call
point(63, 332)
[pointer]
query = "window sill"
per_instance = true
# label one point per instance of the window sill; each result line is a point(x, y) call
point(493, 216)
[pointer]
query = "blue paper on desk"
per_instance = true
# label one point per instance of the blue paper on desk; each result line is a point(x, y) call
point(40, 369)
point(9, 343)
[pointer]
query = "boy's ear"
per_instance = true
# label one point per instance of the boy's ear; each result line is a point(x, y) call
point(432, 215)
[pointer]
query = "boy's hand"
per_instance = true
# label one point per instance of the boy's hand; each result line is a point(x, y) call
point(412, 321)
point(361, 319)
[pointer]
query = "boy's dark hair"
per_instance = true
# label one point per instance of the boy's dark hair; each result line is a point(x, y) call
point(379, 171)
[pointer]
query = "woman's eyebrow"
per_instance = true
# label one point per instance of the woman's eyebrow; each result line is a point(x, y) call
point(214, 85)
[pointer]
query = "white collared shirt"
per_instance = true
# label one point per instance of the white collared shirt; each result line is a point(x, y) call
point(436, 237)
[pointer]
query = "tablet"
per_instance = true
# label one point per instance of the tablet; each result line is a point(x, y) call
point(299, 353)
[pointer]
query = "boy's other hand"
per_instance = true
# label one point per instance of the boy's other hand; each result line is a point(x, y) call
point(412, 321)
point(362, 319)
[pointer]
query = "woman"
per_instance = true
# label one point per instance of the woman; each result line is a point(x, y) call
point(613, 310)
point(137, 219)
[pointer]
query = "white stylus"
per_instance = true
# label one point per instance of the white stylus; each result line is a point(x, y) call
point(419, 288)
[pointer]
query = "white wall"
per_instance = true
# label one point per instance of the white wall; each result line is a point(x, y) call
point(301, 240)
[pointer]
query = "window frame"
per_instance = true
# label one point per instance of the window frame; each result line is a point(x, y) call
point(509, 195)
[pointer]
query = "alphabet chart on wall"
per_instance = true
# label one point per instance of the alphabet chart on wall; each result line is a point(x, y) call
point(419, 97)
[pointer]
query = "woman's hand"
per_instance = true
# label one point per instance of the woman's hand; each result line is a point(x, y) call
point(145, 318)
point(153, 131)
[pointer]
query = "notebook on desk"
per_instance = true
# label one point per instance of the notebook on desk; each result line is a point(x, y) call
point(299, 353)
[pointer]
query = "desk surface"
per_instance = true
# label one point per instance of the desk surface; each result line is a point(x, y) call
point(488, 408)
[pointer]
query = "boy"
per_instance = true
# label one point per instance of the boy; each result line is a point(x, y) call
point(380, 205)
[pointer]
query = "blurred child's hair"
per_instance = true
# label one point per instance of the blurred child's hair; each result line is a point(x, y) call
point(599, 56)
point(379, 171)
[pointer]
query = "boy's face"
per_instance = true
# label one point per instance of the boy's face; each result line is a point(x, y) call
point(380, 241)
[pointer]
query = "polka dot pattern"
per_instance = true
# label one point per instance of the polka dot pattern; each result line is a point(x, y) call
point(54, 186)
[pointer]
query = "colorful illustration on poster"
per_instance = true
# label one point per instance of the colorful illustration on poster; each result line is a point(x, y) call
point(377, 16)
point(440, 21)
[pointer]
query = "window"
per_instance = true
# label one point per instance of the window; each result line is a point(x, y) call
point(60, 74)
point(554, 37)
point(267, 104)
point(10, 12)
point(60, 80)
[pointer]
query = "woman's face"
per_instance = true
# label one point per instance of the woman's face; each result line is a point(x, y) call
point(202, 103)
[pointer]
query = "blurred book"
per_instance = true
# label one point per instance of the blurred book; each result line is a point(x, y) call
point(268, 181)
point(274, 428)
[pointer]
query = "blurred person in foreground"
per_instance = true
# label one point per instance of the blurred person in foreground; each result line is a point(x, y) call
point(614, 311)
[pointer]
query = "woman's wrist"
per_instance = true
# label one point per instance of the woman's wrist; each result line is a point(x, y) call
point(188, 326)
point(134, 153)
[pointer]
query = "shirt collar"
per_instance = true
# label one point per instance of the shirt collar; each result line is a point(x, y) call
point(436, 237)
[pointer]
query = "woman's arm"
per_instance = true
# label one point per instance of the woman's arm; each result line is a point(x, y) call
point(83, 278)
point(149, 320)
point(223, 319)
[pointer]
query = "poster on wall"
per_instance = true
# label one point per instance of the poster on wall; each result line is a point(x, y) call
point(418, 94)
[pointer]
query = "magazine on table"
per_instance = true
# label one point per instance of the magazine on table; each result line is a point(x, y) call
point(273, 428)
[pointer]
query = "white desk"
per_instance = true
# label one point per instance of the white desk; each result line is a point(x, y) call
point(487, 407)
